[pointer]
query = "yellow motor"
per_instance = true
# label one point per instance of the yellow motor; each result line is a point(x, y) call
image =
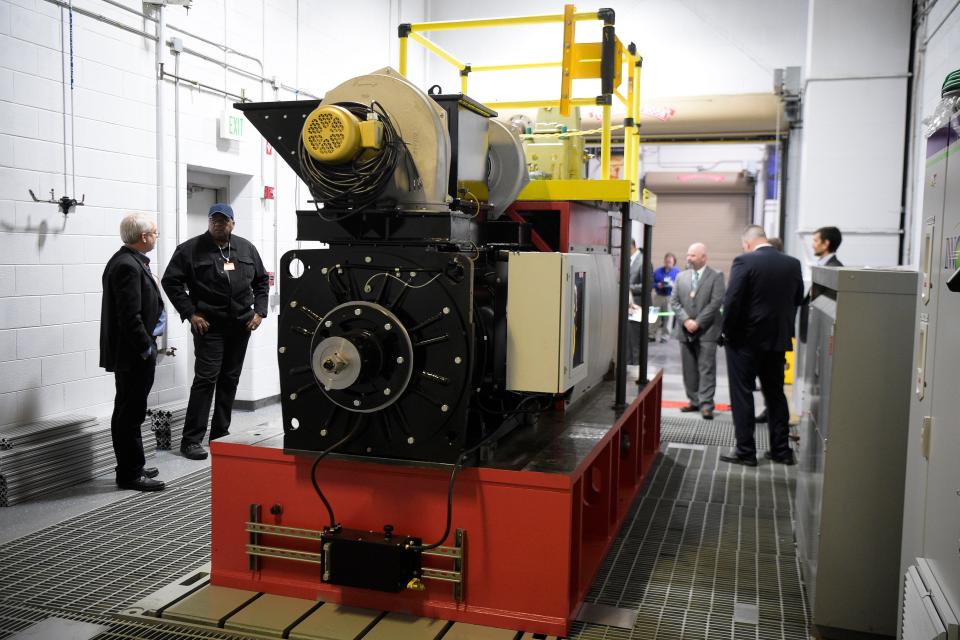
point(333, 135)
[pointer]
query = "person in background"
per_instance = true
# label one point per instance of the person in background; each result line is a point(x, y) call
point(663, 280)
point(826, 241)
point(759, 310)
point(131, 318)
point(636, 289)
point(217, 282)
point(696, 299)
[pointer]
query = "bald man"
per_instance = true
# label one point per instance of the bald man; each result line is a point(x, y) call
point(696, 301)
point(759, 310)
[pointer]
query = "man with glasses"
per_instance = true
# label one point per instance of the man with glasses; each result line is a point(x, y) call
point(131, 318)
point(217, 282)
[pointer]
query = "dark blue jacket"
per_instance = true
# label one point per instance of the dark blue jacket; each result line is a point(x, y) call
point(761, 301)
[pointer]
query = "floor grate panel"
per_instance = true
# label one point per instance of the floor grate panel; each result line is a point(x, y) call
point(704, 541)
point(718, 432)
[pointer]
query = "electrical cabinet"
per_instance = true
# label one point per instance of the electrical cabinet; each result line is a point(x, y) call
point(849, 500)
point(931, 515)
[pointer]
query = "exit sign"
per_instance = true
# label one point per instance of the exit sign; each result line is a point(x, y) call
point(231, 125)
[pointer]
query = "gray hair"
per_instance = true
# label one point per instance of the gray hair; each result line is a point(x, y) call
point(753, 232)
point(133, 226)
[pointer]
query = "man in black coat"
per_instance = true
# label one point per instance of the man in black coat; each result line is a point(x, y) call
point(217, 282)
point(759, 310)
point(131, 317)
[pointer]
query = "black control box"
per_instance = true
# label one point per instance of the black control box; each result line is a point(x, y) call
point(382, 561)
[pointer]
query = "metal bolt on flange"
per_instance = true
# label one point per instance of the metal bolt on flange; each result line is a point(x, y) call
point(457, 360)
point(328, 324)
point(357, 311)
point(399, 359)
point(323, 432)
point(388, 326)
point(367, 259)
point(283, 349)
point(386, 391)
point(293, 396)
point(293, 304)
point(446, 310)
point(356, 403)
point(444, 408)
point(410, 440)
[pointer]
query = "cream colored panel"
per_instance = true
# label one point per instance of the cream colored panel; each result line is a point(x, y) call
point(464, 631)
point(533, 321)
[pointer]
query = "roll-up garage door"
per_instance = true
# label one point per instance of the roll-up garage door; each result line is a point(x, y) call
point(712, 208)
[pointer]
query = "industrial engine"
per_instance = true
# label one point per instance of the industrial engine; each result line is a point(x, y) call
point(430, 326)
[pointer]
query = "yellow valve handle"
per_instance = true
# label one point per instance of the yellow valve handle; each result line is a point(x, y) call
point(416, 585)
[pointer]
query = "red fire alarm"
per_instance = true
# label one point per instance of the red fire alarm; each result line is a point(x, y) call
point(267, 192)
point(267, 148)
point(270, 278)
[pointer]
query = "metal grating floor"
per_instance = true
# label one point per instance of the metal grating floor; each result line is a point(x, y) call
point(707, 552)
point(717, 432)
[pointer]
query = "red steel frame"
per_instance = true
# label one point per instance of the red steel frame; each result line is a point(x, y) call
point(580, 225)
point(534, 541)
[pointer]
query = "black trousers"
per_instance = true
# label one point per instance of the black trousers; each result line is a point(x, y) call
point(129, 410)
point(744, 366)
point(219, 360)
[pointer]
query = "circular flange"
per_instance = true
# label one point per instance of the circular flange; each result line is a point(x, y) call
point(366, 352)
point(336, 363)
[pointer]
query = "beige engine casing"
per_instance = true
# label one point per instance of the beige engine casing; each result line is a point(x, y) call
point(420, 122)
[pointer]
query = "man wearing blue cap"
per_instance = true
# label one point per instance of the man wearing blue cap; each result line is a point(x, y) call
point(217, 282)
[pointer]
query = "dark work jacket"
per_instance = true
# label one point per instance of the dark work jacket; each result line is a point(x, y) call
point(196, 282)
point(761, 300)
point(129, 312)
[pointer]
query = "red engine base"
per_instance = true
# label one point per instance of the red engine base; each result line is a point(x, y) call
point(534, 540)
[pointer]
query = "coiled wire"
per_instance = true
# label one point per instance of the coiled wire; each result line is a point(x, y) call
point(352, 187)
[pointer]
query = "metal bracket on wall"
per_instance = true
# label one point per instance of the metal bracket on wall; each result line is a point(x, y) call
point(64, 203)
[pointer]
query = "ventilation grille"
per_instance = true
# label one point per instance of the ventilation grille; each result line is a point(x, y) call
point(926, 613)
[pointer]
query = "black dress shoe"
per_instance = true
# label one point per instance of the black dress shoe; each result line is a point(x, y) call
point(690, 408)
point(142, 483)
point(762, 418)
point(788, 460)
point(747, 461)
point(151, 472)
point(707, 414)
point(193, 451)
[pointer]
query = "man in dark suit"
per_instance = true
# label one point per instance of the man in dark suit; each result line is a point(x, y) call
point(131, 317)
point(696, 299)
point(826, 241)
point(759, 310)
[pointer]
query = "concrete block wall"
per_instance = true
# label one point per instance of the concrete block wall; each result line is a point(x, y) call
point(51, 265)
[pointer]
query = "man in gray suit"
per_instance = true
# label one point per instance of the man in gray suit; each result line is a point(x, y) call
point(697, 296)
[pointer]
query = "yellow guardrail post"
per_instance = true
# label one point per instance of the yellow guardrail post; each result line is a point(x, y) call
point(566, 79)
point(464, 73)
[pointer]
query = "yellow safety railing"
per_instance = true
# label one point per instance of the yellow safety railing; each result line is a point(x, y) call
point(594, 60)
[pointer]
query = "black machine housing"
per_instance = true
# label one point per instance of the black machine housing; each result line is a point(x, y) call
point(418, 298)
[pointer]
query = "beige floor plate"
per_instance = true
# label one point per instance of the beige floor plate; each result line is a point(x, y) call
point(464, 631)
point(400, 626)
point(209, 605)
point(334, 622)
point(269, 615)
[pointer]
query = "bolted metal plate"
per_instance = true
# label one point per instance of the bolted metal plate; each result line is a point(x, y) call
point(607, 615)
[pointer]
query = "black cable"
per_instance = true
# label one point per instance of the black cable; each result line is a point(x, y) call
point(355, 186)
point(313, 470)
point(453, 477)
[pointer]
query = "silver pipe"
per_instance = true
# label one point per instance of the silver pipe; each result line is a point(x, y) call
point(880, 76)
point(161, 185)
point(63, 98)
point(102, 18)
point(176, 146)
point(73, 121)
point(205, 87)
point(942, 22)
